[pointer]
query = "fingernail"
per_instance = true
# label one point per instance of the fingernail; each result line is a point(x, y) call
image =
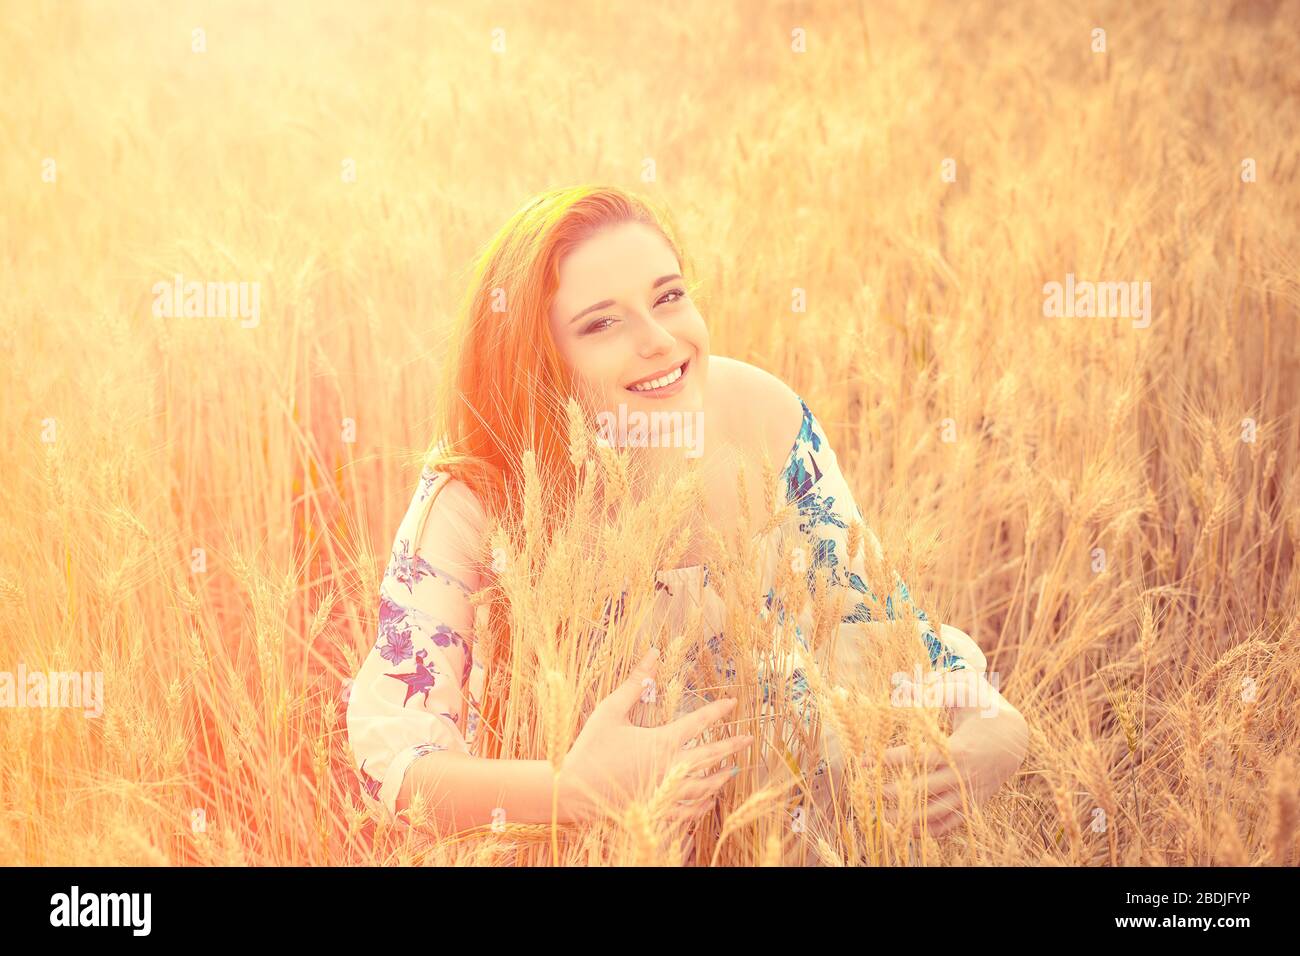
point(735, 769)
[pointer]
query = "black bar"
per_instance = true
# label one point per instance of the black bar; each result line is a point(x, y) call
point(338, 905)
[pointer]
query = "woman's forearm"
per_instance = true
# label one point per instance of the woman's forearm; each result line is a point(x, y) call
point(982, 711)
point(969, 695)
point(461, 790)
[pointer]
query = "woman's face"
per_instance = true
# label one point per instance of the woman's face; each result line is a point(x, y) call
point(621, 319)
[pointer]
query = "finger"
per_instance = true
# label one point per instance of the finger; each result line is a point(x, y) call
point(705, 756)
point(690, 725)
point(933, 826)
point(631, 690)
point(694, 789)
point(939, 813)
point(931, 785)
point(946, 823)
point(904, 755)
point(938, 826)
point(932, 810)
point(692, 809)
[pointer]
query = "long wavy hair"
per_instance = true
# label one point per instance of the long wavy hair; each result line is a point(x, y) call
point(504, 388)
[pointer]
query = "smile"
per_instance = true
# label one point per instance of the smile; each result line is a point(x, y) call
point(663, 383)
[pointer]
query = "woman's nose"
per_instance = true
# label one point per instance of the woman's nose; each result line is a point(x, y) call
point(653, 338)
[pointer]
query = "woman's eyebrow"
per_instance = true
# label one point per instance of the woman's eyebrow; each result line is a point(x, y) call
point(605, 304)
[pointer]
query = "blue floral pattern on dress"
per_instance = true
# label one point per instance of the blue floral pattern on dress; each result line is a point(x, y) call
point(814, 483)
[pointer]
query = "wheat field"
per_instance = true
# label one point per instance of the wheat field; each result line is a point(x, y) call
point(200, 507)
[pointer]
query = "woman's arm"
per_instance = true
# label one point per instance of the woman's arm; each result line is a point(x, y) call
point(410, 699)
point(990, 736)
point(463, 791)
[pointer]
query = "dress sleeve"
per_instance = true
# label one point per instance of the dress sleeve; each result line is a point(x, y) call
point(826, 506)
point(414, 692)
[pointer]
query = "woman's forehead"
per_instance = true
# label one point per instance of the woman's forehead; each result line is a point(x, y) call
point(623, 252)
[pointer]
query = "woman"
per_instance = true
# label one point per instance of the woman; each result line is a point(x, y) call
point(582, 294)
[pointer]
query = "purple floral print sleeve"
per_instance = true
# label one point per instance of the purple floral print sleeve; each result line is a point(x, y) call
point(419, 688)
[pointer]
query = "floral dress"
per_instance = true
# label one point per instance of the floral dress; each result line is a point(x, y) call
point(420, 688)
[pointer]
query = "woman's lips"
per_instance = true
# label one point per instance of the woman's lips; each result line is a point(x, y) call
point(666, 390)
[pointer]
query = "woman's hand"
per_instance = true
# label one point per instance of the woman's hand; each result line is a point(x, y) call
point(986, 749)
point(613, 758)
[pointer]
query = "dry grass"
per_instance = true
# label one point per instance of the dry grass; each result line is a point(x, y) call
point(1161, 690)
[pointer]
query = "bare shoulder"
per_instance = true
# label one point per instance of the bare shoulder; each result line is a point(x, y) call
point(764, 411)
point(447, 517)
point(461, 498)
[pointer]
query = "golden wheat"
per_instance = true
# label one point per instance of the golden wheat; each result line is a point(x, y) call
point(202, 512)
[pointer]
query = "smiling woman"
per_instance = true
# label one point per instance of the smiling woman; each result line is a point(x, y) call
point(584, 294)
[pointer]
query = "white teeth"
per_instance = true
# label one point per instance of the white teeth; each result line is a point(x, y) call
point(668, 379)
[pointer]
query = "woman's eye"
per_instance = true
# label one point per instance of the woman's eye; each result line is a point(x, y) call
point(599, 326)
